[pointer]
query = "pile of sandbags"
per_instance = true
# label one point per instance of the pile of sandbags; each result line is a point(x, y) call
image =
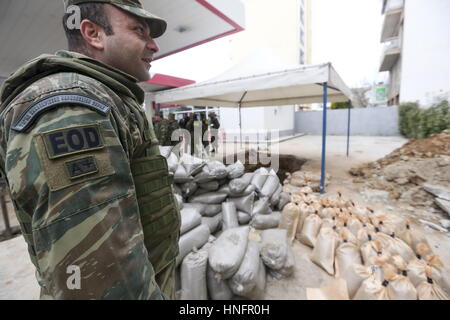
point(380, 256)
point(227, 267)
point(219, 205)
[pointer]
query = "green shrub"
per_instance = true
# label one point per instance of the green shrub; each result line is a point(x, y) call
point(341, 105)
point(417, 123)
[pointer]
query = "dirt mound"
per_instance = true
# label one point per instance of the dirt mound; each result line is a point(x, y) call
point(403, 172)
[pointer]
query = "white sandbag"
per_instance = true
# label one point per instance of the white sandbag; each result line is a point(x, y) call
point(188, 188)
point(418, 269)
point(212, 209)
point(193, 276)
point(177, 189)
point(195, 238)
point(271, 184)
point(347, 255)
point(429, 290)
point(356, 274)
point(304, 211)
point(365, 234)
point(165, 151)
point(226, 254)
point(324, 251)
point(181, 175)
point(284, 200)
point(266, 221)
point(229, 216)
point(260, 178)
point(214, 223)
point(261, 206)
point(411, 236)
point(206, 210)
point(217, 169)
point(238, 185)
point(274, 248)
point(249, 190)
point(396, 246)
point(224, 189)
point(210, 186)
point(354, 225)
point(193, 165)
point(200, 207)
point(275, 198)
point(199, 192)
point(243, 217)
point(204, 176)
point(310, 230)
point(218, 289)
point(370, 250)
point(288, 268)
point(209, 198)
point(190, 218)
point(235, 170)
point(245, 279)
point(372, 289)
point(401, 288)
point(244, 203)
point(179, 199)
point(172, 162)
point(290, 189)
point(289, 220)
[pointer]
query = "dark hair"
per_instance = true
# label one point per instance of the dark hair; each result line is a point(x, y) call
point(94, 12)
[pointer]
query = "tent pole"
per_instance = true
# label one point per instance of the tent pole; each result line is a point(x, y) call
point(324, 137)
point(240, 116)
point(348, 131)
point(240, 124)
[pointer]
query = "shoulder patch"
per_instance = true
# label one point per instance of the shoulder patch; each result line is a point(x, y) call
point(36, 109)
point(81, 167)
point(72, 140)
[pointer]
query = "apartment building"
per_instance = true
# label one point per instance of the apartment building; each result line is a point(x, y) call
point(277, 33)
point(416, 47)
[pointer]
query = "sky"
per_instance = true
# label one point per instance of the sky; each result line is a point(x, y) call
point(344, 32)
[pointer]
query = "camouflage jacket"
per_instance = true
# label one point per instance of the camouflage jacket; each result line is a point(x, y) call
point(68, 171)
point(162, 131)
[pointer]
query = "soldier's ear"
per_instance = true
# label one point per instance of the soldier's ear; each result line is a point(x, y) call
point(93, 34)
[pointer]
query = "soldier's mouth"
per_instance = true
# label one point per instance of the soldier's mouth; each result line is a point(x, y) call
point(147, 62)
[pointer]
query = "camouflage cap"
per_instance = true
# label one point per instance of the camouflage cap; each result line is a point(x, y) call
point(157, 25)
point(159, 113)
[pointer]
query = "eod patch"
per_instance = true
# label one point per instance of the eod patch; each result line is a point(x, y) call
point(72, 140)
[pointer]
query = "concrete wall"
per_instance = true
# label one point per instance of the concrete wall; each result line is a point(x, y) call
point(426, 51)
point(380, 121)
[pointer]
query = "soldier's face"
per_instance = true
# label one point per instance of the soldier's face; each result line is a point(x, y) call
point(131, 48)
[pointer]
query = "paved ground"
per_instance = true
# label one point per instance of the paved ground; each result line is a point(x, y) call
point(17, 273)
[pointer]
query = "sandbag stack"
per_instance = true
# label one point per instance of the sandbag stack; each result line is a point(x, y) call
point(219, 206)
point(380, 256)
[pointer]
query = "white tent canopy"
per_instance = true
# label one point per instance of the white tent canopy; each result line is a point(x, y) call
point(297, 85)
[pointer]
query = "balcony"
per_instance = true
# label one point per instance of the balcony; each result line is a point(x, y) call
point(393, 13)
point(390, 55)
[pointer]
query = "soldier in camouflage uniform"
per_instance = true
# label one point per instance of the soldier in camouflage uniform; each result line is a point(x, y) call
point(173, 125)
point(214, 128)
point(162, 129)
point(91, 192)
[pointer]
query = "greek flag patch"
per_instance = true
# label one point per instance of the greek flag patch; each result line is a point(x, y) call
point(36, 109)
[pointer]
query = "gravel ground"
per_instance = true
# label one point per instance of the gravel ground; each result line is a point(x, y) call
point(17, 273)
